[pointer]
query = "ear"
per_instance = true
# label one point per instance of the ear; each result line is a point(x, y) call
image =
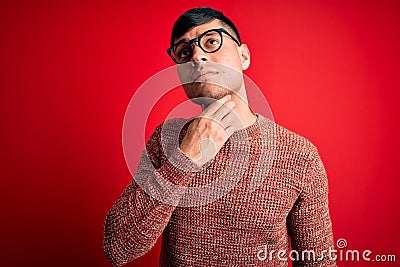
point(244, 54)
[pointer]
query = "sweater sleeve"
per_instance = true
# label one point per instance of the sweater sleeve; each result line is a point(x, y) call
point(309, 222)
point(139, 216)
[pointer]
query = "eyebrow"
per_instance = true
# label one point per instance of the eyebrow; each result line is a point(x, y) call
point(186, 39)
point(180, 40)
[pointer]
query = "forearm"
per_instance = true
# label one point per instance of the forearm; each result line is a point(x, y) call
point(309, 222)
point(312, 239)
point(140, 215)
point(133, 225)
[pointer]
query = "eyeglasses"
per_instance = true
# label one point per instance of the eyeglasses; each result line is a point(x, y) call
point(210, 42)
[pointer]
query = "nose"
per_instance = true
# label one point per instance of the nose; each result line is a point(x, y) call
point(198, 54)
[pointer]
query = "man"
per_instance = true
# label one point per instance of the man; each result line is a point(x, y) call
point(235, 223)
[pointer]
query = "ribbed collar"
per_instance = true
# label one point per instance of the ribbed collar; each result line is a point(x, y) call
point(250, 132)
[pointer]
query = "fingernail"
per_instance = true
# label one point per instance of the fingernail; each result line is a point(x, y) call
point(231, 104)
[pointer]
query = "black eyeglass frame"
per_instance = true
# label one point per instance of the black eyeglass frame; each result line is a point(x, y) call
point(197, 39)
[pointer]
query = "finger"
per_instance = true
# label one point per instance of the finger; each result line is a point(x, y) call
point(211, 109)
point(230, 130)
point(228, 120)
point(223, 110)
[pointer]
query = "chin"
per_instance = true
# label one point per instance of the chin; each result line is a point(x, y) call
point(205, 90)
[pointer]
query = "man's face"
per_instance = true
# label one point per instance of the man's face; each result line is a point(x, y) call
point(213, 75)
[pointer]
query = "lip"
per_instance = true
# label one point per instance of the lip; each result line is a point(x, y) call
point(201, 74)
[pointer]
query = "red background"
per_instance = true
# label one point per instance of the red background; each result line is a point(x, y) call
point(329, 70)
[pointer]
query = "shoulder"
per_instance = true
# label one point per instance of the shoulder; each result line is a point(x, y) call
point(293, 141)
point(285, 138)
point(297, 155)
point(289, 145)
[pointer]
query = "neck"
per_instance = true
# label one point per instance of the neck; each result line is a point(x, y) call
point(244, 115)
point(242, 110)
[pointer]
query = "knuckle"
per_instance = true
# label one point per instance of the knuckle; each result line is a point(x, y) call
point(230, 104)
point(209, 124)
point(213, 124)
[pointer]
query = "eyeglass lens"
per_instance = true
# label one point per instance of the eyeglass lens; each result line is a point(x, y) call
point(209, 42)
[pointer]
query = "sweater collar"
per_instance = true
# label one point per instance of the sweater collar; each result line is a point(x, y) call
point(250, 132)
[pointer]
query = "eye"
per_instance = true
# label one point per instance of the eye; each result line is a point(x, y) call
point(211, 42)
point(183, 53)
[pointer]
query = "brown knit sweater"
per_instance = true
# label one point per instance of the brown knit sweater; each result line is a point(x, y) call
point(288, 206)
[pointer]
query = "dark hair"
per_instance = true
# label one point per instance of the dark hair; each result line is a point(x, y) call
point(198, 16)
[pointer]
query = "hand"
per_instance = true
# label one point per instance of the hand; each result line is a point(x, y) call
point(209, 131)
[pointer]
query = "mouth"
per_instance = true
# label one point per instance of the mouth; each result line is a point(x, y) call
point(201, 75)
